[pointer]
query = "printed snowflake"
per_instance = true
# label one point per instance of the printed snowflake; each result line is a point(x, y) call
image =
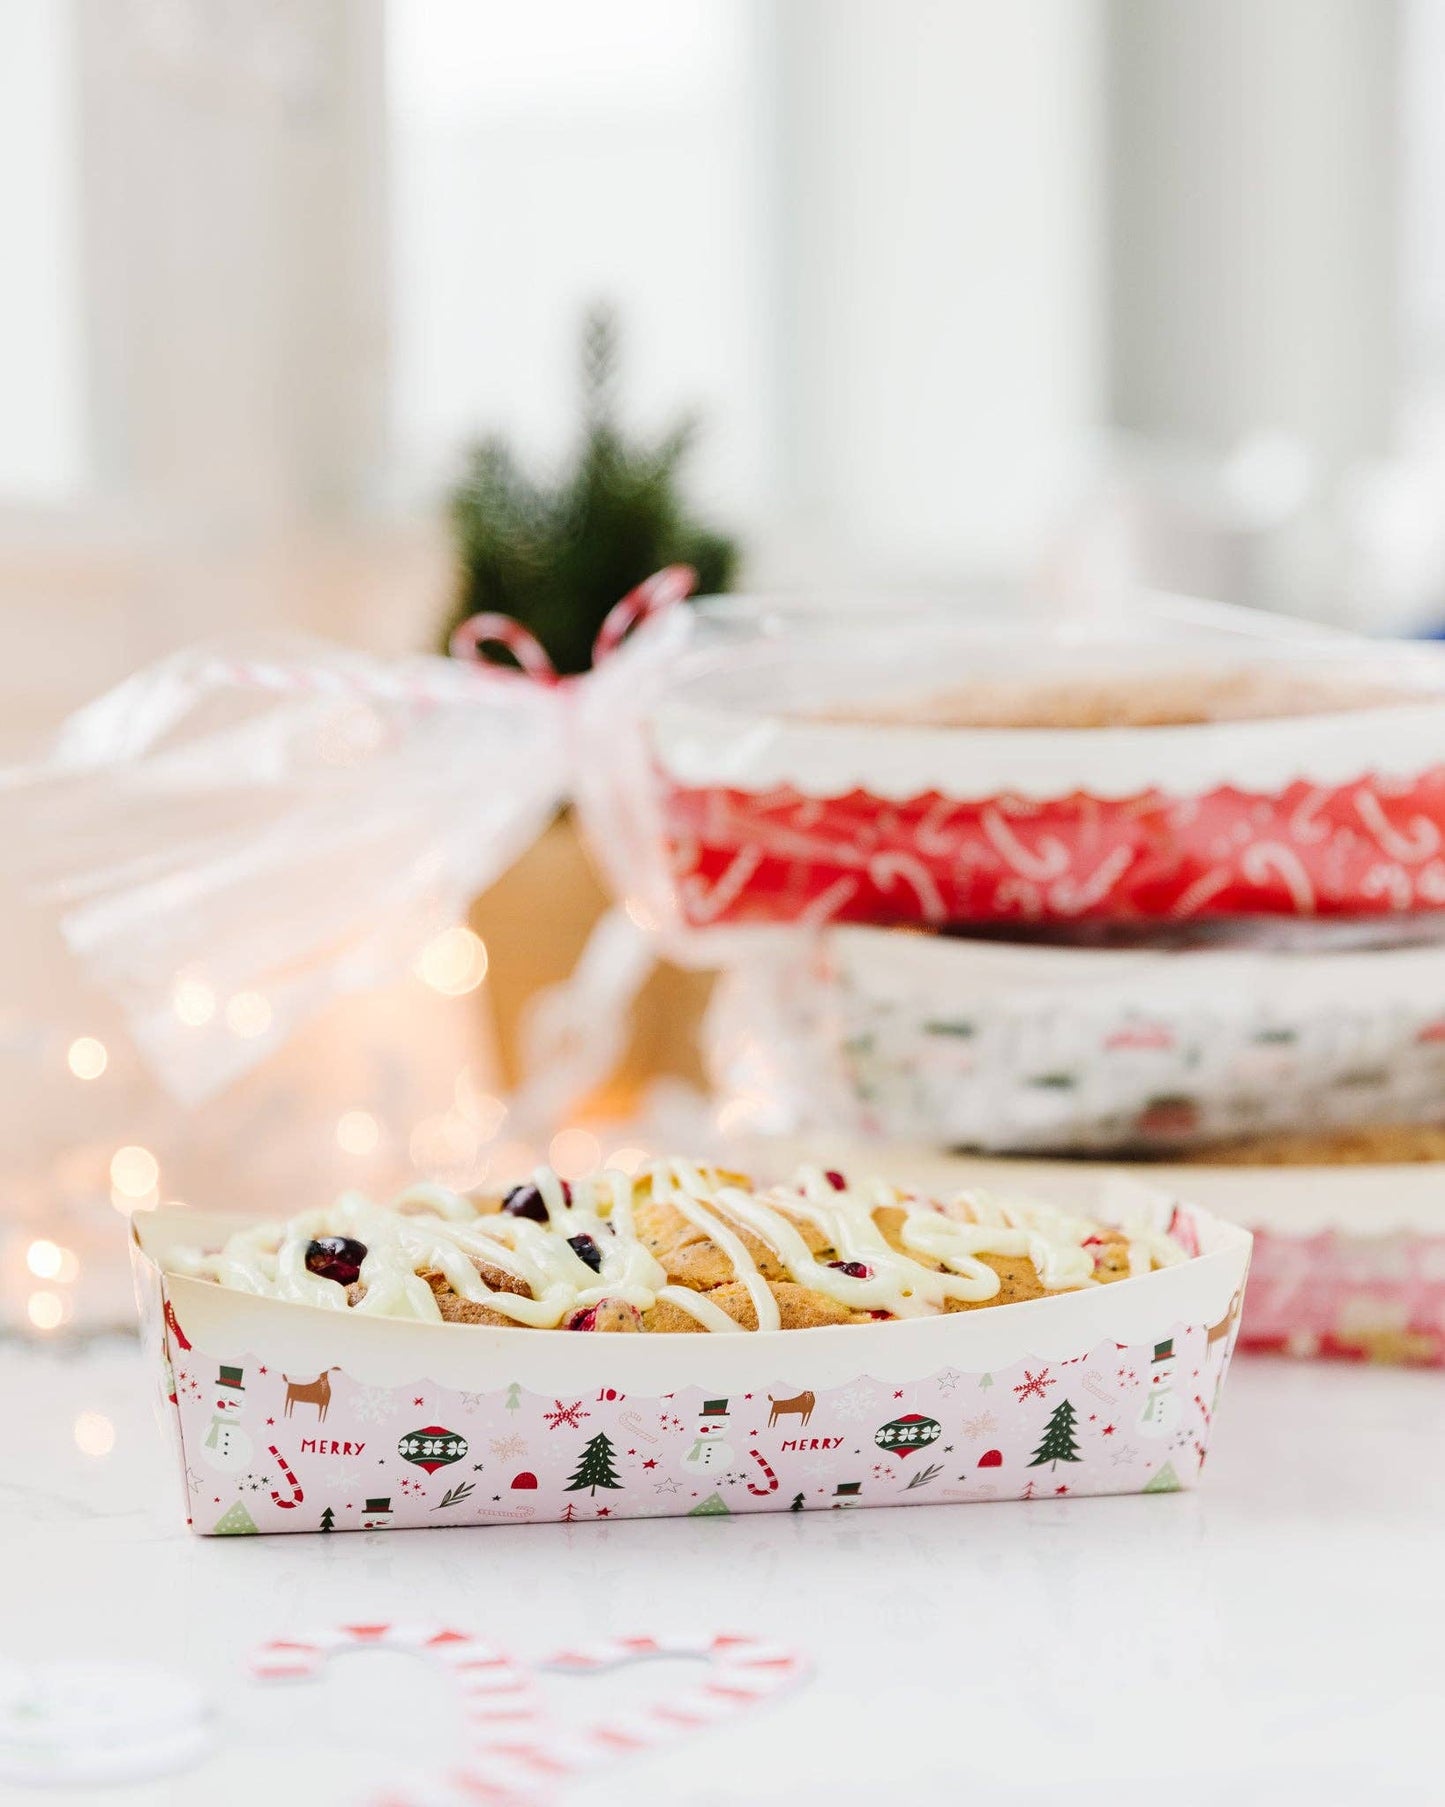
point(371, 1405)
point(503, 1448)
point(570, 1415)
point(473, 1402)
point(852, 1406)
point(983, 1426)
point(1032, 1385)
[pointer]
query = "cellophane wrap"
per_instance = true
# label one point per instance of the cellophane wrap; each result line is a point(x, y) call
point(278, 818)
point(945, 1042)
point(745, 764)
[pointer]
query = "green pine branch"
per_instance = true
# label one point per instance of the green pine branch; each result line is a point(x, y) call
point(557, 553)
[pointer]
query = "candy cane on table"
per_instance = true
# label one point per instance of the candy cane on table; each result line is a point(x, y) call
point(498, 1698)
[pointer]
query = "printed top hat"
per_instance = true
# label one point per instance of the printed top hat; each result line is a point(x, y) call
point(714, 1408)
point(379, 1505)
point(230, 1377)
point(1164, 1352)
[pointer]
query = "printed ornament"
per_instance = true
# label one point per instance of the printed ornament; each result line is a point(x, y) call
point(432, 1448)
point(903, 1435)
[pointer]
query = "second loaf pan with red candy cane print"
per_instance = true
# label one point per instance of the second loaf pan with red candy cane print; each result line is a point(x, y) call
point(361, 1369)
point(894, 763)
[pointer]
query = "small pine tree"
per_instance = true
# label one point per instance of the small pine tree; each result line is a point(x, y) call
point(514, 1397)
point(1058, 1444)
point(797, 1505)
point(235, 1521)
point(557, 555)
point(328, 1520)
point(595, 1469)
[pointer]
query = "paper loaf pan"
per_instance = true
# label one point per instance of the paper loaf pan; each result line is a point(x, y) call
point(293, 1418)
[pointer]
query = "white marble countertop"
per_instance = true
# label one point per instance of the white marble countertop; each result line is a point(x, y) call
point(1274, 1637)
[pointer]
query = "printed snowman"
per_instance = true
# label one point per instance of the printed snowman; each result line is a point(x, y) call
point(709, 1453)
point(1162, 1413)
point(226, 1445)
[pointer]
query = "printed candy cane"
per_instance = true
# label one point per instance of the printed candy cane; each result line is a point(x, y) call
point(887, 869)
point(632, 1423)
point(1420, 843)
point(1264, 856)
point(296, 1494)
point(498, 1696)
point(763, 1463)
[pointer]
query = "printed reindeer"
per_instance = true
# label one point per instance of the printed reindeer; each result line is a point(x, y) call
point(1217, 1333)
point(801, 1406)
point(311, 1392)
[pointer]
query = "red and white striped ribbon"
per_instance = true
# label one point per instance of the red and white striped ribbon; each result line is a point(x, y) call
point(517, 1754)
point(672, 584)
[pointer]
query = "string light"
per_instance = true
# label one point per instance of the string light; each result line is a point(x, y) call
point(48, 1261)
point(627, 1160)
point(481, 1108)
point(134, 1172)
point(248, 1015)
point(357, 1132)
point(46, 1310)
point(454, 963)
point(573, 1152)
point(94, 1434)
point(193, 1001)
point(86, 1057)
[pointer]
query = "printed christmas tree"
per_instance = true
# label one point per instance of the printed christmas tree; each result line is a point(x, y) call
point(235, 1521)
point(514, 1396)
point(712, 1507)
point(1166, 1481)
point(1058, 1444)
point(328, 1520)
point(595, 1469)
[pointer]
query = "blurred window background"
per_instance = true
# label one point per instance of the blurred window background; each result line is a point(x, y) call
point(1074, 294)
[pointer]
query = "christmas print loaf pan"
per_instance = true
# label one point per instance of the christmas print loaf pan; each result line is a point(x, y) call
point(1349, 1233)
point(932, 767)
point(949, 1042)
point(292, 1416)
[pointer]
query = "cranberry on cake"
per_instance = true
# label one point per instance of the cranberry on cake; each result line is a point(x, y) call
point(680, 1246)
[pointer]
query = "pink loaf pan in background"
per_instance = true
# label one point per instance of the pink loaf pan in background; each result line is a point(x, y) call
point(289, 1417)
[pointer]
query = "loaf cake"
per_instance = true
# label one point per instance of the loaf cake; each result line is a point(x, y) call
point(679, 1247)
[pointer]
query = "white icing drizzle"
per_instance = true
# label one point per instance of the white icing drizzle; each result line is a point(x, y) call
point(429, 1229)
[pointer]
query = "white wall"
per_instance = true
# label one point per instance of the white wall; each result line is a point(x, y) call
point(42, 425)
point(938, 227)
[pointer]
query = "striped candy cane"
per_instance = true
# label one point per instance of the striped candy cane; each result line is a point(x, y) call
point(498, 1698)
point(296, 1494)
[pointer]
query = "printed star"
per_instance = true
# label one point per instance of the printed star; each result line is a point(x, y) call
point(261, 1370)
point(476, 1467)
point(633, 1452)
point(948, 1379)
point(1107, 1431)
point(1123, 1452)
point(496, 1496)
point(1061, 1490)
point(651, 1462)
point(604, 1512)
point(948, 1449)
point(270, 1421)
point(667, 1486)
point(899, 1393)
point(193, 1480)
point(418, 1402)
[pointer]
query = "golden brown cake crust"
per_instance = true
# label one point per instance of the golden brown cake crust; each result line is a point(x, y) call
point(1382, 1143)
point(1136, 700)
